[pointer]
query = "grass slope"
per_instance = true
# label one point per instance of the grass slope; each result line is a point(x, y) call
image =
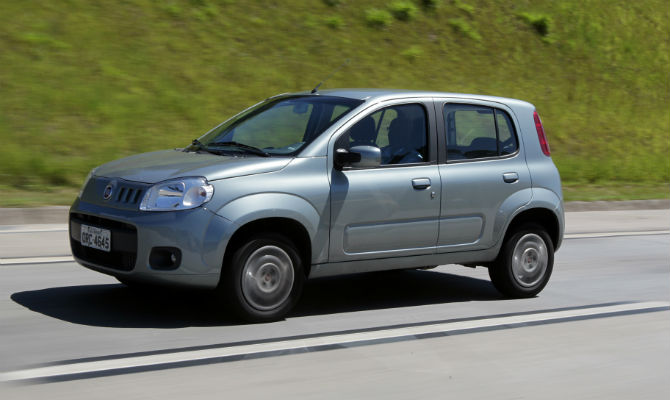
point(84, 82)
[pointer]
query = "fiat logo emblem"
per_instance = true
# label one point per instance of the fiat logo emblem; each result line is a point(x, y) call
point(108, 192)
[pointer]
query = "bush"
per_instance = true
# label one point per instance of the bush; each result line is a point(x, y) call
point(412, 53)
point(334, 22)
point(377, 18)
point(466, 8)
point(173, 9)
point(403, 10)
point(332, 3)
point(462, 26)
point(429, 4)
point(540, 22)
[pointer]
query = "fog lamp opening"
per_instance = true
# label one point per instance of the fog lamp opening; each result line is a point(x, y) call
point(165, 258)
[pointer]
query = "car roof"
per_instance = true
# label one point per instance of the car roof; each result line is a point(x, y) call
point(374, 95)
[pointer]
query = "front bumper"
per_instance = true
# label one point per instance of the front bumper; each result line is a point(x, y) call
point(200, 235)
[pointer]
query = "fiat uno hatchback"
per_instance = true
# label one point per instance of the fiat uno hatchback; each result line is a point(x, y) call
point(309, 185)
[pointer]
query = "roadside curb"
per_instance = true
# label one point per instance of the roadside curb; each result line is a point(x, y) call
point(576, 206)
point(37, 215)
point(58, 214)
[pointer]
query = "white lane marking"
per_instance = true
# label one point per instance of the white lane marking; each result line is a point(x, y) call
point(612, 234)
point(305, 343)
point(35, 260)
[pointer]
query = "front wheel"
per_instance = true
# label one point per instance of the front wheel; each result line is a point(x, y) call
point(264, 278)
point(136, 285)
point(525, 262)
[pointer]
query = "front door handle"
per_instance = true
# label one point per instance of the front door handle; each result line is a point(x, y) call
point(510, 177)
point(421, 183)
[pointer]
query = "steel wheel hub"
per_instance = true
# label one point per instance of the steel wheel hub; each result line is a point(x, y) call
point(267, 278)
point(529, 260)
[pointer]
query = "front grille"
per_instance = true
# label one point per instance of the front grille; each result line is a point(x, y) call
point(123, 254)
point(128, 195)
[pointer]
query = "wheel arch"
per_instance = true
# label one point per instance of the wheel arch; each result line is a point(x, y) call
point(283, 213)
point(290, 228)
point(540, 216)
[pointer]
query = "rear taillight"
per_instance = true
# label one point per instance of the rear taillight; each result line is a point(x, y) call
point(540, 134)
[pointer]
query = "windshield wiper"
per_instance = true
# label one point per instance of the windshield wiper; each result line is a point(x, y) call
point(242, 146)
point(197, 145)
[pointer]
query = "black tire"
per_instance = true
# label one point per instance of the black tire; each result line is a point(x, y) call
point(128, 282)
point(124, 281)
point(263, 279)
point(526, 272)
point(137, 285)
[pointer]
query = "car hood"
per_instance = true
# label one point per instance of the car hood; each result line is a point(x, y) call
point(168, 164)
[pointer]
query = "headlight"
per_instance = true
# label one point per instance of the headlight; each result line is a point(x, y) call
point(88, 178)
point(178, 194)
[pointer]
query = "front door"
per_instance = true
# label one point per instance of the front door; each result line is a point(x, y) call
point(391, 210)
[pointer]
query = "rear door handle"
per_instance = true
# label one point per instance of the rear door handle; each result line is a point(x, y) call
point(421, 183)
point(510, 177)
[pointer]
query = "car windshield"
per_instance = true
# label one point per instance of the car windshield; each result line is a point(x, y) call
point(279, 126)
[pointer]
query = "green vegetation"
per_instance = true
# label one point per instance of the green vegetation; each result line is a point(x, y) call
point(615, 191)
point(378, 18)
point(86, 82)
point(403, 10)
point(466, 8)
point(412, 53)
point(462, 26)
point(430, 4)
point(540, 22)
point(332, 3)
point(334, 22)
point(35, 196)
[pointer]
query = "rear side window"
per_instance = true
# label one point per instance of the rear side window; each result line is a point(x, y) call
point(475, 132)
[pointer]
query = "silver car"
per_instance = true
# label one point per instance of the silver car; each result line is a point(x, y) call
point(335, 182)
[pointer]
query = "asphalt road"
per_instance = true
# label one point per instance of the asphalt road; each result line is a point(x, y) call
point(600, 329)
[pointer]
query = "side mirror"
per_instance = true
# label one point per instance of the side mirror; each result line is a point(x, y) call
point(358, 157)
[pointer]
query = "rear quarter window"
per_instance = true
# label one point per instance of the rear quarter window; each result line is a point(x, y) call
point(506, 133)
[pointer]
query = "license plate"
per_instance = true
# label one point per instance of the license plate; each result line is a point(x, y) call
point(96, 238)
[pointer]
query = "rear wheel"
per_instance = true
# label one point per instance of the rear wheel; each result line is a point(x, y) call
point(525, 262)
point(264, 278)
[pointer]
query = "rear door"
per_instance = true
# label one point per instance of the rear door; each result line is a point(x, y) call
point(483, 171)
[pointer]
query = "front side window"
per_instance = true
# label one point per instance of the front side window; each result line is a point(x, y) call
point(399, 131)
point(478, 132)
point(280, 126)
